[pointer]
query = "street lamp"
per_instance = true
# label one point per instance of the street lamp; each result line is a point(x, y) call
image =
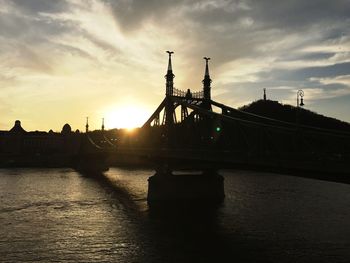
point(300, 94)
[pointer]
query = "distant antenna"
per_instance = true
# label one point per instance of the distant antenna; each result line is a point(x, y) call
point(103, 124)
point(264, 94)
point(87, 125)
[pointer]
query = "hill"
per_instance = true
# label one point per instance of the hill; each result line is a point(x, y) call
point(275, 110)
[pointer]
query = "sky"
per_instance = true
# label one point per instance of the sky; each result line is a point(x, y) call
point(64, 60)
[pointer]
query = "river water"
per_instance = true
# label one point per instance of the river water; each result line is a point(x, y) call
point(59, 215)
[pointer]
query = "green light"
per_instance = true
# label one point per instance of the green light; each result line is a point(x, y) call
point(218, 129)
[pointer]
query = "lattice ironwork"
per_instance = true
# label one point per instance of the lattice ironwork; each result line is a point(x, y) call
point(188, 94)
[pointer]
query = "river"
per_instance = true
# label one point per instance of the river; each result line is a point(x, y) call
point(59, 215)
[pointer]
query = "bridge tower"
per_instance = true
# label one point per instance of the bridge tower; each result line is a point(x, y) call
point(169, 117)
point(206, 86)
point(169, 77)
point(192, 104)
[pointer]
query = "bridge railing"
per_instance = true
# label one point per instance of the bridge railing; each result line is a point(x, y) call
point(179, 93)
point(198, 95)
point(188, 94)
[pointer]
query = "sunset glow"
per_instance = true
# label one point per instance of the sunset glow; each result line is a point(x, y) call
point(126, 117)
point(74, 58)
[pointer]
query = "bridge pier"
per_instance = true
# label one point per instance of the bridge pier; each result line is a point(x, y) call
point(164, 186)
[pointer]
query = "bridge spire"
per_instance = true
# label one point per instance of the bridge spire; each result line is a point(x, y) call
point(87, 125)
point(169, 109)
point(169, 77)
point(206, 85)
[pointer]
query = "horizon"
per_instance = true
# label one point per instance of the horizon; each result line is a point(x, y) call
point(62, 61)
point(132, 129)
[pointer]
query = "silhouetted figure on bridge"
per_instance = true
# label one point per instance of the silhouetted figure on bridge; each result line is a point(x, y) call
point(188, 94)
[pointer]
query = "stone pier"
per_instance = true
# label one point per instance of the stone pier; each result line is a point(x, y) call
point(165, 186)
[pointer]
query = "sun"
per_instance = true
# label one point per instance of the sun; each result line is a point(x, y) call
point(128, 117)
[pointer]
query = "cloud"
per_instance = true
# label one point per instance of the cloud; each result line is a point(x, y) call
point(34, 7)
point(259, 42)
point(306, 73)
point(345, 80)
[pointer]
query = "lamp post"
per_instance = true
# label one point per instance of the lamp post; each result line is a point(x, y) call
point(300, 103)
point(300, 94)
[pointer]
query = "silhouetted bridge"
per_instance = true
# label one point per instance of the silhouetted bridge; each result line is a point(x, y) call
point(189, 128)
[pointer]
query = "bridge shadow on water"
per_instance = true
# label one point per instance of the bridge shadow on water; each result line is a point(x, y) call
point(117, 191)
point(192, 232)
point(182, 231)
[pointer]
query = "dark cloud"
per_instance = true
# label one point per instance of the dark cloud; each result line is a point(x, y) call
point(11, 26)
point(226, 30)
point(27, 23)
point(323, 72)
point(131, 14)
point(307, 73)
point(28, 29)
point(269, 14)
point(313, 56)
point(33, 25)
point(37, 6)
point(26, 33)
point(332, 87)
point(298, 14)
